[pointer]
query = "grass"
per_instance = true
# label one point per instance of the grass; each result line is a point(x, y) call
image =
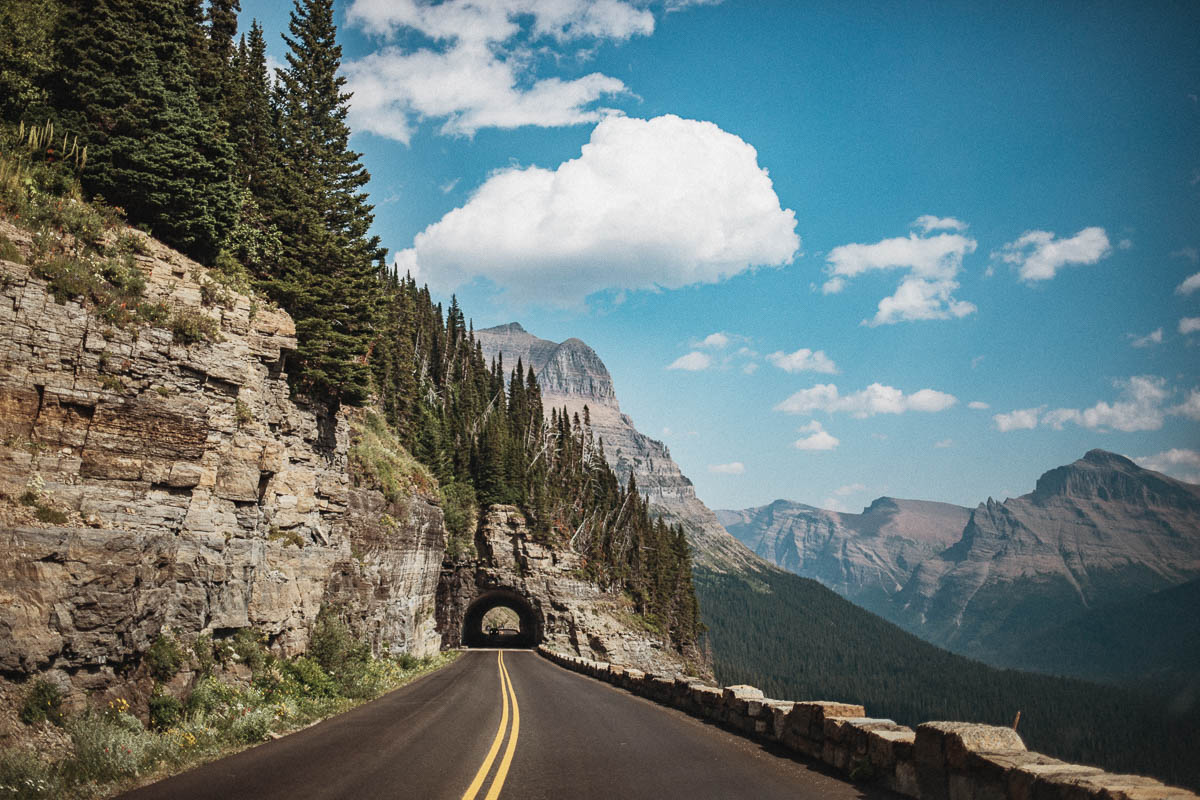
point(377, 454)
point(113, 751)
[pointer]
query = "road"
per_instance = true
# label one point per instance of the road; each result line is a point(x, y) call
point(506, 724)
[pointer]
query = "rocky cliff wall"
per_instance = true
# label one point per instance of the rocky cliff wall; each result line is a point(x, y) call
point(197, 494)
point(937, 761)
point(571, 614)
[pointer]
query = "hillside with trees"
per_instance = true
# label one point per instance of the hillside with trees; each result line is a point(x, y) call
point(172, 124)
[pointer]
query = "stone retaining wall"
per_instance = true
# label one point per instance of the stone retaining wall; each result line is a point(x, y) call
point(937, 761)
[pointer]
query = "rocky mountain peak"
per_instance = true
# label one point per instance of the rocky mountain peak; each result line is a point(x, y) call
point(510, 328)
point(1108, 477)
point(567, 370)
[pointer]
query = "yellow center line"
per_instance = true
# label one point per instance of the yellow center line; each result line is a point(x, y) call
point(481, 775)
point(502, 773)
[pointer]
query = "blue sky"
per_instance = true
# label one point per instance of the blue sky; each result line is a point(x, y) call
point(842, 224)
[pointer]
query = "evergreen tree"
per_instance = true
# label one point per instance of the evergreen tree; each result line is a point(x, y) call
point(26, 54)
point(126, 86)
point(327, 274)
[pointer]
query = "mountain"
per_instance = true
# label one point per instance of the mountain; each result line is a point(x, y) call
point(572, 375)
point(867, 558)
point(1101, 531)
point(794, 638)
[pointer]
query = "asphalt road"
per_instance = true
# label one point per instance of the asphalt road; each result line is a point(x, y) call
point(563, 735)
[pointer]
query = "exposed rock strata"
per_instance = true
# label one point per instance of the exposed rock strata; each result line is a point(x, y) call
point(214, 501)
point(1099, 531)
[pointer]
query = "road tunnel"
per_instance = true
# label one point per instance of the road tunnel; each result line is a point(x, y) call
point(483, 629)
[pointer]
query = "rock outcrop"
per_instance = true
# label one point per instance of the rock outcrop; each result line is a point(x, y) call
point(572, 375)
point(196, 493)
point(545, 586)
point(867, 558)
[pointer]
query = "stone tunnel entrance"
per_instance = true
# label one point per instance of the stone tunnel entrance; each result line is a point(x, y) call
point(486, 623)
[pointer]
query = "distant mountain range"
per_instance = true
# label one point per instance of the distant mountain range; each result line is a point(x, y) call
point(1010, 582)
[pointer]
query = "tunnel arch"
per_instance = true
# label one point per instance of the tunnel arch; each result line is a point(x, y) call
point(473, 635)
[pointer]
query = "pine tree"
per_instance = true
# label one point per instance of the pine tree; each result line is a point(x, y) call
point(26, 54)
point(126, 86)
point(327, 275)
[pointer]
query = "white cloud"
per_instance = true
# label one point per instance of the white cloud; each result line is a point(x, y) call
point(448, 186)
point(666, 202)
point(692, 362)
point(875, 399)
point(803, 360)
point(716, 341)
point(1140, 407)
point(478, 68)
point(1038, 255)
point(849, 489)
point(932, 262)
point(944, 443)
point(1125, 244)
point(1178, 462)
point(976, 361)
point(928, 222)
point(732, 468)
point(1151, 338)
point(978, 405)
point(1189, 325)
point(750, 368)
point(1189, 253)
point(1190, 284)
point(1190, 407)
point(1020, 420)
point(833, 286)
point(818, 438)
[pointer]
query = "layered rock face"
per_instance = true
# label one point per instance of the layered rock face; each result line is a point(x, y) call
point(866, 558)
point(199, 495)
point(1097, 532)
point(571, 614)
point(572, 375)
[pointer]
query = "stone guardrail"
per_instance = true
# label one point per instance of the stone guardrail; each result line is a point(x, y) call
point(937, 761)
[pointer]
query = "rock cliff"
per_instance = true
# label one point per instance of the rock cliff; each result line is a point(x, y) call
point(546, 587)
point(571, 374)
point(187, 488)
point(866, 558)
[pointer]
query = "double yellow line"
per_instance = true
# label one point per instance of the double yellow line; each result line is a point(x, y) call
point(506, 692)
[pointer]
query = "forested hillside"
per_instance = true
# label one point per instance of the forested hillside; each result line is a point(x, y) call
point(158, 113)
point(795, 639)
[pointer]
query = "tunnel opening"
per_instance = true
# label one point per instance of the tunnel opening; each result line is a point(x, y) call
point(501, 618)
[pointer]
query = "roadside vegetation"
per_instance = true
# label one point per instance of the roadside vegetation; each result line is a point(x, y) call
point(110, 749)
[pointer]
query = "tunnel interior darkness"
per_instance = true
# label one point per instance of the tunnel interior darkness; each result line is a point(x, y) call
point(474, 634)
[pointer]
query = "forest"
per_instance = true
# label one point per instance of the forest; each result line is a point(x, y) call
point(797, 640)
point(159, 113)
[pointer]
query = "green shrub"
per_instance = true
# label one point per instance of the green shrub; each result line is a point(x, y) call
point(165, 711)
point(202, 650)
point(164, 658)
point(242, 414)
point(106, 750)
point(43, 702)
point(24, 775)
point(9, 251)
point(49, 514)
point(287, 536)
point(189, 326)
point(378, 455)
point(308, 674)
point(252, 727)
point(248, 647)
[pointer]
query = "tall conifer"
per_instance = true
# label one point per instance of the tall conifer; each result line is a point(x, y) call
point(327, 276)
point(126, 86)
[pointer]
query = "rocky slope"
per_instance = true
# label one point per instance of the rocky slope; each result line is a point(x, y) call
point(196, 494)
point(867, 558)
point(1099, 531)
point(572, 375)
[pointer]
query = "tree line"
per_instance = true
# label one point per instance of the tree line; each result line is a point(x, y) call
point(194, 140)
